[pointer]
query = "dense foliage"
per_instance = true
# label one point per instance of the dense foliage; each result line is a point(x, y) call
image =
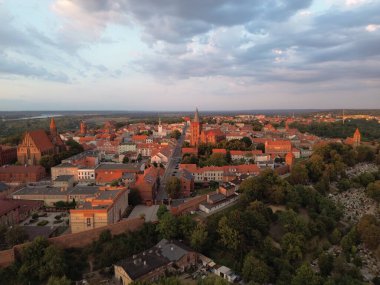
point(369, 129)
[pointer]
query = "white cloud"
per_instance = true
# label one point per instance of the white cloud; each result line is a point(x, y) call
point(355, 2)
point(372, 28)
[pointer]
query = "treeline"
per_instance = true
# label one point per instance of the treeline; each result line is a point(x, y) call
point(43, 263)
point(73, 148)
point(11, 131)
point(369, 129)
point(207, 158)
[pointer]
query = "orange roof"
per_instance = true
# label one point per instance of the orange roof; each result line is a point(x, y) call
point(139, 137)
point(41, 140)
point(219, 150)
point(22, 169)
point(278, 142)
point(189, 150)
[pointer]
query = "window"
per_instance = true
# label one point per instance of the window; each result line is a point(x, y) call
point(88, 222)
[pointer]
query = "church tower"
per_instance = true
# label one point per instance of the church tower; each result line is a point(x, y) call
point(195, 129)
point(159, 126)
point(357, 138)
point(53, 128)
point(83, 128)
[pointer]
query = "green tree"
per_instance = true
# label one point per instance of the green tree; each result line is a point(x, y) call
point(292, 245)
point(366, 178)
point(31, 260)
point(216, 159)
point(368, 228)
point(173, 187)
point(336, 236)
point(162, 209)
point(228, 157)
point(134, 197)
point(213, 280)
point(315, 167)
point(53, 280)
point(299, 174)
point(261, 146)
point(176, 134)
point(53, 263)
point(199, 237)
point(168, 226)
point(48, 161)
point(325, 263)
point(255, 270)
point(373, 190)
point(115, 183)
point(305, 275)
point(186, 226)
point(15, 235)
point(229, 237)
point(247, 141)
point(350, 240)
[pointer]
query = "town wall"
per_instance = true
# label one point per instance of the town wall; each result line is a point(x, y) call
point(76, 240)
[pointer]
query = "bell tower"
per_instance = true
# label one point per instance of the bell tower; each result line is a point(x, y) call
point(53, 128)
point(195, 128)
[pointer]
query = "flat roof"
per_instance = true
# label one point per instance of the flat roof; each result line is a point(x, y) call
point(63, 178)
point(115, 166)
point(40, 190)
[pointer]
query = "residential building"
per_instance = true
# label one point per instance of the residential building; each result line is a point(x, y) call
point(150, 265)
point(147, 183)
point(108, 172)
point(106, 207)
point(278, 147)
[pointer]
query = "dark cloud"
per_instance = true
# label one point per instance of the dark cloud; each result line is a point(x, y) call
point(278, 45)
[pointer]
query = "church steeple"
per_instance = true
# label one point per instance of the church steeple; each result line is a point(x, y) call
point(196, 116)
point(53, 127)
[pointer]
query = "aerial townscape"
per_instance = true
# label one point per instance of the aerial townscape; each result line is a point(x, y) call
point(209, 198)
point(177, 142)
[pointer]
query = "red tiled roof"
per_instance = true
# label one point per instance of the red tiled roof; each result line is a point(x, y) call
point(21, 169)
point(219, 150)
point(7, 206)
point(41, 140)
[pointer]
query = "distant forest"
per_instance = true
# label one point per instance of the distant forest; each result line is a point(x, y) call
point(370, 129)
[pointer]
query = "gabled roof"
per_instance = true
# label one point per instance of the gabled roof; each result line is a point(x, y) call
point(41, 140)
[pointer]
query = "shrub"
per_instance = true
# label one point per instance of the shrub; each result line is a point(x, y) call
point(42, 223)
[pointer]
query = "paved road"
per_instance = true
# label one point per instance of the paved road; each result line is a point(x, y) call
point(175, 158)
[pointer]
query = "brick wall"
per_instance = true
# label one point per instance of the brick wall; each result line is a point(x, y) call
point(7, 257)
point(188, 206)
point(82, 239)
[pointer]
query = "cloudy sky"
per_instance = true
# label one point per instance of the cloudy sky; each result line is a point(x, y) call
point(178, 54)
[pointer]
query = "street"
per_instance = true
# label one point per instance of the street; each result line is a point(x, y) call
point(174, 160)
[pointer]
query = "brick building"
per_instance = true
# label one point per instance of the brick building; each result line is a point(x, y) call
point(104, 208)
point(195, 130)
point(38, 143)
point(278, 147)
point(150, 265)
point(108, 172)
point(147, 183)
point(21, 173)
point(8, 155)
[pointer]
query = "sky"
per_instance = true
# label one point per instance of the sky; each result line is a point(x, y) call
point(168, 55)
